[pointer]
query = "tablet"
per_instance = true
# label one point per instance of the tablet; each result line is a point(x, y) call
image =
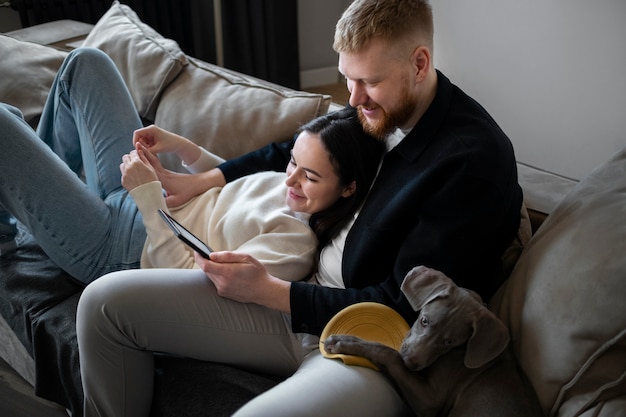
point(186, 236)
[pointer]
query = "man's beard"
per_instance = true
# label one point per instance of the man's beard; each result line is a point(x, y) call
point(389, 121)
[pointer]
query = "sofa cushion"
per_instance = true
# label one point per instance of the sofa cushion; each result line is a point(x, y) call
point(147, 61)
point(230, 114)
point(26, 74)
point(565, 300)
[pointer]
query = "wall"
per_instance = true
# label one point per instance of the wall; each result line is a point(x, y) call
point(550, 72)
point(316, 29)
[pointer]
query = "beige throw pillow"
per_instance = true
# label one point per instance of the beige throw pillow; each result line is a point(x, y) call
point(565, 302)
point(27, 71)
point(230, 114)
point(147, 61)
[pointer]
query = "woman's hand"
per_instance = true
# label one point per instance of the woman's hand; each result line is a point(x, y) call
point(242, 278)
point(159, 140)
point(180, 188)
point(136, 170)
point(177, 186)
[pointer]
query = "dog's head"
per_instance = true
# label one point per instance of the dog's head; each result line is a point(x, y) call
point(449, 317)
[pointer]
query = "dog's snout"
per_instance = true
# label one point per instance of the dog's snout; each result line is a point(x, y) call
point(410, 363)
point(409, 358)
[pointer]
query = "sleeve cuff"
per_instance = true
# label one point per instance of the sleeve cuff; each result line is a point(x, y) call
point(205, 162)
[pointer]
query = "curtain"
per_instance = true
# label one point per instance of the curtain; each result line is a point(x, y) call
point(260, 38)
point(169, 18)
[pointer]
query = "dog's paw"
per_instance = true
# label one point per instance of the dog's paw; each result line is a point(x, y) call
point(340, 343)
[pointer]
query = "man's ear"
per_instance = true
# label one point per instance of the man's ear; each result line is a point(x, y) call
point(421, 62)
point(349, 190)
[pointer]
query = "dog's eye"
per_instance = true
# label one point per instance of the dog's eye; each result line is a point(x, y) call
point(424, 321)
point(448, 342)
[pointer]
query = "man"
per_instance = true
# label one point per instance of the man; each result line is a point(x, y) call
point(446, 196)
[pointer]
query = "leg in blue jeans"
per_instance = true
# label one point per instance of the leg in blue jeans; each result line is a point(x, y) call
point(87, 124)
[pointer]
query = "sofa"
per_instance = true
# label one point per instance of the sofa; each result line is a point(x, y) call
point(564, 302)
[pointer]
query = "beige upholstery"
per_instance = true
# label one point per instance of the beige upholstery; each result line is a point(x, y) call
point(26, 74)
point(565, 302)
point(119, 32)
point(230, 114)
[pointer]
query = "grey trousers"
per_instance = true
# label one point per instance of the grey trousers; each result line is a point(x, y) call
point(125, 316)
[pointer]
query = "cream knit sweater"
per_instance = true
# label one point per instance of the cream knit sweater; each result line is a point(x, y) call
point(248, 215)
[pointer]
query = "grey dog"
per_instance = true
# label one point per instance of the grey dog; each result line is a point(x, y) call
point(455, 360)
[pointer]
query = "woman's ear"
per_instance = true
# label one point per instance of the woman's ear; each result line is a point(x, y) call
point(349, 190)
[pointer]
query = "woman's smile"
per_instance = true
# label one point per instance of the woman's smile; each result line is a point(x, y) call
point(293, 195)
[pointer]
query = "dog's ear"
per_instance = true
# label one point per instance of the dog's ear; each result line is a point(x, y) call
point(488, 341)
point(422, 285)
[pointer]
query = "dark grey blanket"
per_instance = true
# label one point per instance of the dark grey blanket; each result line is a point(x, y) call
point(38, 300)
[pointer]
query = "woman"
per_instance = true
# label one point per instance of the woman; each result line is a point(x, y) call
point(95, 229)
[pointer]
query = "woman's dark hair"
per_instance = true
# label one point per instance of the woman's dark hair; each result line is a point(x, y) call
point(355, 156)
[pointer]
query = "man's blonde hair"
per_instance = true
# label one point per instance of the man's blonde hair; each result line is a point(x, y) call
point(389, 20)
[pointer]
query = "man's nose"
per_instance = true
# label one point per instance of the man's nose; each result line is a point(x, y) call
point(358, 96)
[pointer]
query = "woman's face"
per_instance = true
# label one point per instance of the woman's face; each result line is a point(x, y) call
point(312, 183)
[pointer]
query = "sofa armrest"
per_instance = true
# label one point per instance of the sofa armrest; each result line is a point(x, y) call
point(62, 34)
point(543, 190)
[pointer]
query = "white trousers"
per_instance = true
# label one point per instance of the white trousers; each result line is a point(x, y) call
point(125, 316)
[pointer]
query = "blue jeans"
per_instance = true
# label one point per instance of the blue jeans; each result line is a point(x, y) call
point(88, 227)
